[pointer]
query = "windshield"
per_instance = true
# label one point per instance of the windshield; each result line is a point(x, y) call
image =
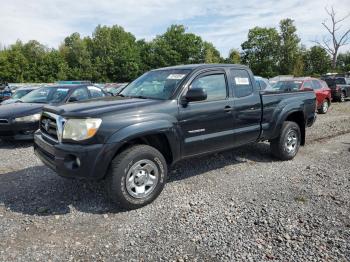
point(159, 84)
point(18, 94)
point(287, 85)
point(46, 95)
point(335, 81)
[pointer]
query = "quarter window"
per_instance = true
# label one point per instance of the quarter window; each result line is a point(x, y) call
point(214, 85)
point(241, 82)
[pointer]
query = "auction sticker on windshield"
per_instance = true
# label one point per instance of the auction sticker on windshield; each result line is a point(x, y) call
point(176, 76)
point(242, 81)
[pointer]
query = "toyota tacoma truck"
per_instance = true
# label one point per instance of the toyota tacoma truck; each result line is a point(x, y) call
point(164, 116)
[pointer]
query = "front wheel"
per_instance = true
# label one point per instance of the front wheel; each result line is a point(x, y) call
point(324, 108)
point(286, 145)
point(136, 176)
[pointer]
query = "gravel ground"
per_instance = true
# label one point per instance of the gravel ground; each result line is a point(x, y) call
point(237, 205)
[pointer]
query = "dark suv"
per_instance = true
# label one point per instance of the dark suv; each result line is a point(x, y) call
point(340, 87)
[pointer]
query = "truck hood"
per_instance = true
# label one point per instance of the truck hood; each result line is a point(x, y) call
point(98, 107)
point(19, 109)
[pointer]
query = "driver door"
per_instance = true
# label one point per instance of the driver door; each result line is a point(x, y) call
point(207, 125)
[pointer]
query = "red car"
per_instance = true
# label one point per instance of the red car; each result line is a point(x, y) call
point(322, 91)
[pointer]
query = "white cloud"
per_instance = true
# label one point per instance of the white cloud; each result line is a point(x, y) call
point(225, 23)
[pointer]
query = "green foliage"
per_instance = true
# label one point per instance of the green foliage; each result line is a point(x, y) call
point(111, 54)
point(211, 54)
point(234, 57)
point(290, 60)
point(317, 61)
point(176, 47)
point(343, 62)
point(269, 53)
point(261, 51)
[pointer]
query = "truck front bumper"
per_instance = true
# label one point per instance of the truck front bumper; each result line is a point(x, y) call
point(74, 161)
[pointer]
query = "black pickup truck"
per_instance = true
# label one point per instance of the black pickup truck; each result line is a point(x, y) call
point(164, 116)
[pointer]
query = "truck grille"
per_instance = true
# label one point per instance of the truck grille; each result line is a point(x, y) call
point(48, 126)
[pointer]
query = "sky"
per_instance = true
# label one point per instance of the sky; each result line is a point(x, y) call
point(225, 23)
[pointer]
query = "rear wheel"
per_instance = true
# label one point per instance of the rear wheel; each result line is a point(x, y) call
point(286, 145)
point(324, 108)
point(136, 176)
point(342, 97)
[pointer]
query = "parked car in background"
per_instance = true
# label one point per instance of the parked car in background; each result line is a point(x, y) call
point(20, 120)
point(322, 91)
point(19, 93)
point(263, 83)
point(275, 79)
point(340, 87)
point(164, 116)
point(74, 82)
point(114, 89)
point(5, 91)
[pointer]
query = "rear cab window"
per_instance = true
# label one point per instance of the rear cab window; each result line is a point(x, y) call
point(241, 83)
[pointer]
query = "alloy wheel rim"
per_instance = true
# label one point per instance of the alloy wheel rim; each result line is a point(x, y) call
point(325, 106)
point(291, 141)
point(142, 178)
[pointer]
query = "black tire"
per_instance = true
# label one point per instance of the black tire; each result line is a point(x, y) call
point(123, 165)
point(324, 108)
point(279, 146)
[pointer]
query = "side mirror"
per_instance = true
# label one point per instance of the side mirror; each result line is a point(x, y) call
point(195, 94)
point(73, 99)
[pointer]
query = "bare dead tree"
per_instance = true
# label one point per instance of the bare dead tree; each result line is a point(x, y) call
point(336, 40)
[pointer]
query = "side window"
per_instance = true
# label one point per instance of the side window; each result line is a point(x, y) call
point(95, 92)
point(263, 85)
point(80, 94)
point(307, 84)
point(214, 85)
point(316, 84)
point(241, 81)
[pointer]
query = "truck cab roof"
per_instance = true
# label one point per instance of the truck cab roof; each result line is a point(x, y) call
point(202, 66)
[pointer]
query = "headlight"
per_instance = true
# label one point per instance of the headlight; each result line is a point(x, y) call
point(31, 118)
point(81, 129)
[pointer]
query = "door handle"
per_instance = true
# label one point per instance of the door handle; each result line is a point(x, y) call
point(228, 109)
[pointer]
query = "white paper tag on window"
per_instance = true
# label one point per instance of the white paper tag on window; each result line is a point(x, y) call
point(242, 80)
point(62, 90)
point(176, 76)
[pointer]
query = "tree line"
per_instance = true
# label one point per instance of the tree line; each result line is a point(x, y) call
point(111, 54)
